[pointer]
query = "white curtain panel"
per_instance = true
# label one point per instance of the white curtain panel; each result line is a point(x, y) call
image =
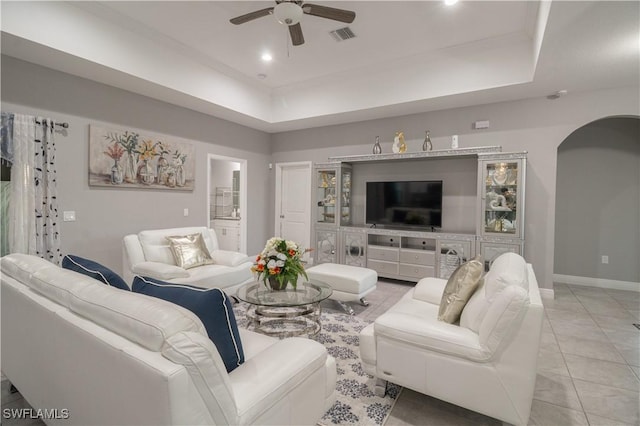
point(33, 212)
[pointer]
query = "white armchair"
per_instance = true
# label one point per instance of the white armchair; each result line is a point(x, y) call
point(486, 364)
point(148, 254)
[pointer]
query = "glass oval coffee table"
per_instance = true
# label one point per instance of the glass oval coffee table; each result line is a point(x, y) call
point(285, 313)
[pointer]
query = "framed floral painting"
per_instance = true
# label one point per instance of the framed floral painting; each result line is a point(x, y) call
point(135, 159)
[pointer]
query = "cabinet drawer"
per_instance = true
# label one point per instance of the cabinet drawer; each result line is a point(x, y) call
point(382, 253)
point(418, 257)
point(383, 267)
point(416, 271)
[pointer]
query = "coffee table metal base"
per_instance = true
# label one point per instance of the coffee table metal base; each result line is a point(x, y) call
point(285, 322)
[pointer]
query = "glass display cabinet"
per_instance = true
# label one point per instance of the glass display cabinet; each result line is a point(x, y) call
point(501, 185)
point(333, 194)
point(501, 192)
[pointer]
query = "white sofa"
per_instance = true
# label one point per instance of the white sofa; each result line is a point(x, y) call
point(148, 254)
point(487, 363)
point(113, 357)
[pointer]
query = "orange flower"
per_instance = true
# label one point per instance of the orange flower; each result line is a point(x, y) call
point(274, 271)
point(260, 268)
point(292, 252)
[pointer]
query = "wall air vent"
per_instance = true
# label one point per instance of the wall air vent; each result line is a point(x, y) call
point(342, 34)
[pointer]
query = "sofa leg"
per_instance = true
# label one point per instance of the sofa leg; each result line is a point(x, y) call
point(348, 309)
point(380, 389)
point(363, 302)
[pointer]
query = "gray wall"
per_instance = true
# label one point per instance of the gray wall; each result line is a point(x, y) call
point(536, 125)
point(105, 215)
point(598, 201)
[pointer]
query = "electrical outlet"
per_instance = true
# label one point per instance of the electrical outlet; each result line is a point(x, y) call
point(186, 212)
point(605, 260)
point(69, 216)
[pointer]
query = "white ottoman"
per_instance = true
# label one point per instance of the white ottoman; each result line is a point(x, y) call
point(349, 283)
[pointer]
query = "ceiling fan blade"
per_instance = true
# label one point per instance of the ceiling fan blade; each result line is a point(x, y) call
point(295, 31)
point(251, 16)
point(341, 15)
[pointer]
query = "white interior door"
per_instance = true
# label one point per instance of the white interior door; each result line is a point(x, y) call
point(293, 202)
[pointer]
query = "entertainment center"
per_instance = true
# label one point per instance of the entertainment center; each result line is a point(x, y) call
point(398, 228)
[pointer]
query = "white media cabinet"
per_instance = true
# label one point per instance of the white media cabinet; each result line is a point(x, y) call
point(414, 254)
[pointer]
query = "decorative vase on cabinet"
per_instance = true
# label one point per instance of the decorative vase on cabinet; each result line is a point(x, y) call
point(377, 149)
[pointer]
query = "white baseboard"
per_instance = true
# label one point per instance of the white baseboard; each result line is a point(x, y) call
point(546, 293)
point(597, 282)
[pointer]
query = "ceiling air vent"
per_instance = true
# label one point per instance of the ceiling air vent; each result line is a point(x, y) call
point(342, 34)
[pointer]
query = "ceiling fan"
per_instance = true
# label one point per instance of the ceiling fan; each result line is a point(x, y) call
point(289, 12)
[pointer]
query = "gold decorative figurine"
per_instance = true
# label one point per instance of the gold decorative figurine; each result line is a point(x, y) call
point(399, 146)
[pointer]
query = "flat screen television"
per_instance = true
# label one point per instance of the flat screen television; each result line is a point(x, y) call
point(404, 204)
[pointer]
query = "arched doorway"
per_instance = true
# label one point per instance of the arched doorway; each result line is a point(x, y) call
point(597, 217)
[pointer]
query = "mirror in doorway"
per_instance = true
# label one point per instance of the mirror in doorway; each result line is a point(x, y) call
point(225, 187)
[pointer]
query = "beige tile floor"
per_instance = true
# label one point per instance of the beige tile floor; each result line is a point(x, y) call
point(588, 364)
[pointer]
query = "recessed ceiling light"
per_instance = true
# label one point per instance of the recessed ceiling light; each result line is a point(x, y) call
point(450, 2)
point(267, 57)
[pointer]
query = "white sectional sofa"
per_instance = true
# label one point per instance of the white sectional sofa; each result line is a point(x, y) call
point(148, 254)
point(113, 357)
point(487, 363)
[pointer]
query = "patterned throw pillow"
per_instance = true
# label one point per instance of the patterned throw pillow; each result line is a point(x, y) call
point(189, 251)
point(460, 287)
point(94, 270)
point(211, 305)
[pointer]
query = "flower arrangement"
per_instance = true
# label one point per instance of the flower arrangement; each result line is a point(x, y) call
point(114, 151)
point(129, 141)
point(147, 150)
point(178, 157)
point(280, 261)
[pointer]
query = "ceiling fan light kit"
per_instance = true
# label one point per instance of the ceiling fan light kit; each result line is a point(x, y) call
point(289, 13)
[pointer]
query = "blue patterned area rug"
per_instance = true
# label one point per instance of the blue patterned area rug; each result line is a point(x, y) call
point(356, 403)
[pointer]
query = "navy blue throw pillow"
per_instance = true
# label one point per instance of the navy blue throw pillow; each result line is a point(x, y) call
point(211, 305)
point(94, 270)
